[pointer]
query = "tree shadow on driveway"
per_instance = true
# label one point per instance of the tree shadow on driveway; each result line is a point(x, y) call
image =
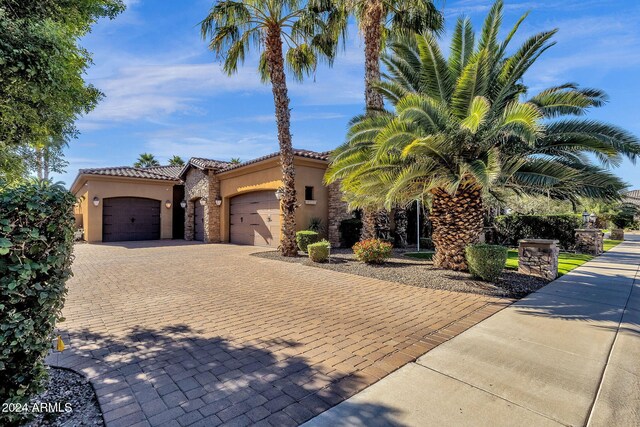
point(175, 374)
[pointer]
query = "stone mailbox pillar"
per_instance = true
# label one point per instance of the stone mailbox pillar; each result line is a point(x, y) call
point(538, 257)
point(589, 241)
point(617, 234)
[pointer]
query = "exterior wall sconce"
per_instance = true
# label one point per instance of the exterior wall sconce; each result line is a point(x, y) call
point(96, 201)
point(183, 204)
point(167, 204)
point(279, 193)
point(203, 201)
point(218, 200)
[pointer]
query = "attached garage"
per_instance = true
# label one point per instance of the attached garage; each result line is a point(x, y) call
point(254, 219)
point(130, 218)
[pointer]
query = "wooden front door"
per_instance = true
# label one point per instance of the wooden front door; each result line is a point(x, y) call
point(130, 218)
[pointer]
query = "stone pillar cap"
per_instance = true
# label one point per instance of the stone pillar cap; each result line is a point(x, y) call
point(588, 229)
point(539, 241)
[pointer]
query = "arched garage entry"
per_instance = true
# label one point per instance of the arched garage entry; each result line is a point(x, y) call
point(130, 218)
point(254, 219)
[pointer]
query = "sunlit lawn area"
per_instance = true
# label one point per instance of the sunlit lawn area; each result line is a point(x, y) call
point(566, 261)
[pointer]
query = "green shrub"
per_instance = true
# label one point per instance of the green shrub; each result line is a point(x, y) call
point(372, 251)
point(36, 245)
point(319, 251)
point(486, 261)
point(624, 217)
point(305, 237)
point(350, 231)
point(316, 224)
point(511, 228)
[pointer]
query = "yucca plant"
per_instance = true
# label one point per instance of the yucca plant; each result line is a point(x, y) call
point(463, 128)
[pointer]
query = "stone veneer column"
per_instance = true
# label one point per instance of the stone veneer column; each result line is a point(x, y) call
point(538, 257)
point(617, 234)
point(589, 241)
point(196, 186)
point(338, 211)
point(212, 217)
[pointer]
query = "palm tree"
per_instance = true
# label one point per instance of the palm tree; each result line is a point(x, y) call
point(146, 160)
point(379, 20)
point(235, 161)
point(176, 161)
point(288, 33)
point(462, 129)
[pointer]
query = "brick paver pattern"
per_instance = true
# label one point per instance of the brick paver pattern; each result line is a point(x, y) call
point(178, 333)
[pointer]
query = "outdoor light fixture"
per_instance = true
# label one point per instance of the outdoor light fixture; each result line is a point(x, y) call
point(279, 193)
point(592, 218)
point(218, 200)
point(96, 201)
point(585, 217)
point(183, 204)
point(168, 204)
point(203, 201)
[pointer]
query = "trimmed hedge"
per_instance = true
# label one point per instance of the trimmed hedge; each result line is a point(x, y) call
point(511, 228)
point(306, 237)
point(486, 261)
point(36, 245)
point(319, 251)
point(372, 251)
point(350, 231)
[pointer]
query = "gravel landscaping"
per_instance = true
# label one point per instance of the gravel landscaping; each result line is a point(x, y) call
point(415, 272)
point(67, 387)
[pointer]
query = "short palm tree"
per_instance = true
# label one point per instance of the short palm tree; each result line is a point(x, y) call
point(289, 33)
point(176, 161)
point(235, 161)
point(380, 20)
point(146, 160)
point(463, 128)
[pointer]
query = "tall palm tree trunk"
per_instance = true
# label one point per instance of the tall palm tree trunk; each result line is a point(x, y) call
point(457, 222)
point(275, 59)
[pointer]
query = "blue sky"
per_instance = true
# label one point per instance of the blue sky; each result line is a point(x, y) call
point(166, 93)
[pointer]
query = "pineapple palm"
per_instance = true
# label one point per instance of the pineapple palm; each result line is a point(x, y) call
point(462, 129)
point(289, 33)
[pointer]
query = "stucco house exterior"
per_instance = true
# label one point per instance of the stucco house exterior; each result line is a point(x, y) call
point(207, 200)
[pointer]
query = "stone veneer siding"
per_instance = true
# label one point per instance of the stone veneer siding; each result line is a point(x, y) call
point(202, 184)
point(589, 241)
point(338, 211)
point(538, 257)
point(617, 234)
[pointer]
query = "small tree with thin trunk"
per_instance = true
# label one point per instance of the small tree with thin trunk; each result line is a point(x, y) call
point(289, 34)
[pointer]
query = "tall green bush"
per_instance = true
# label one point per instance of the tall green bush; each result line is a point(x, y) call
point(36, 245)
point(305, 237)
point(486, 261)
point(511, 228)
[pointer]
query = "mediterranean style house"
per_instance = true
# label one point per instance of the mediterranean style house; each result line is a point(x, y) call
point(207, 200)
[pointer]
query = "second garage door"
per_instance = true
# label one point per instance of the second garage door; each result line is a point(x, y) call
point(255, 219)
point(130, 218)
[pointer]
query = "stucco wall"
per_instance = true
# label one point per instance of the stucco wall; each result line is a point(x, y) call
point(105, 187)
point(267, 175)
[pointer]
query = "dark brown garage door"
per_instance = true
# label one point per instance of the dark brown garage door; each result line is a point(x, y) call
point(130, 218)
point(198, 219)
point(255, 219)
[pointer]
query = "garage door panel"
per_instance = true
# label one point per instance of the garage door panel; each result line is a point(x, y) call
point(255, 219)
point(130, 218)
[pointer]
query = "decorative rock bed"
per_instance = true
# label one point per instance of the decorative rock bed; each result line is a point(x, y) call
point(67, 390)
point(415, 272)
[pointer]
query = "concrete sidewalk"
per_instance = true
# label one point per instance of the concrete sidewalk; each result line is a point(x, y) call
point(568, 354)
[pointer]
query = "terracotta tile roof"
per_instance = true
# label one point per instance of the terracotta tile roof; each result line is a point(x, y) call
point(300, 153)
point(202, 163)
point(168, 170)
point(156, 172)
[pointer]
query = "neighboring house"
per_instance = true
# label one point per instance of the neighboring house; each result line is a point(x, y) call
point(207, 200)
point(633, 197)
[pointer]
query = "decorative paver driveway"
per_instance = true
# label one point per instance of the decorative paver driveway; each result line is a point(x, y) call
point(177, 333)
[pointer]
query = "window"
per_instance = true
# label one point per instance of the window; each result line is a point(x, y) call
point(308, 193)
